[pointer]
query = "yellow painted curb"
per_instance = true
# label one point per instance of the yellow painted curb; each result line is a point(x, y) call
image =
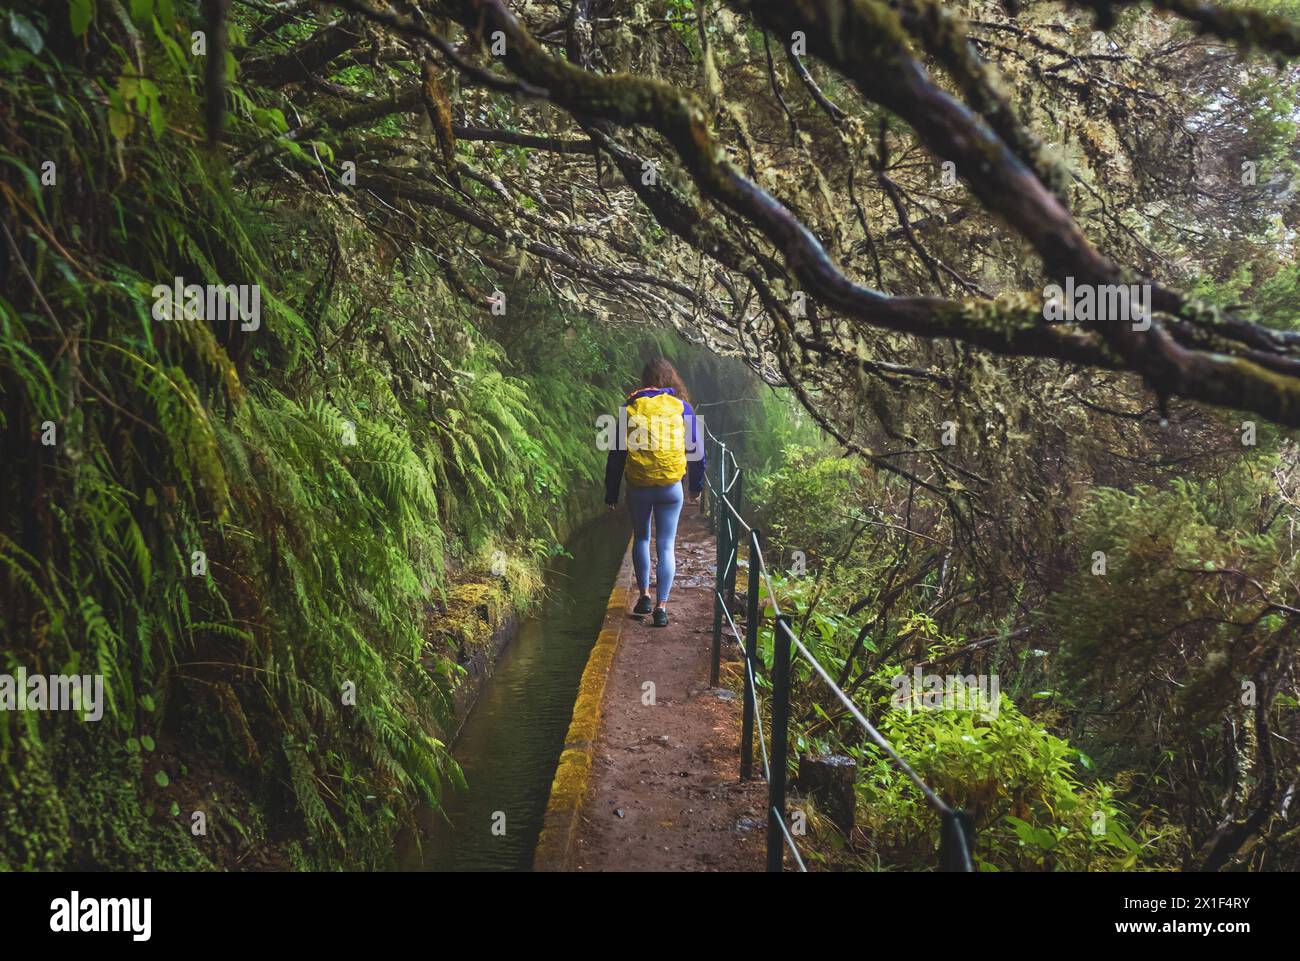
point(554, 851)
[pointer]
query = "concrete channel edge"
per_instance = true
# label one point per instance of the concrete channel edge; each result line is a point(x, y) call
point(556, 846)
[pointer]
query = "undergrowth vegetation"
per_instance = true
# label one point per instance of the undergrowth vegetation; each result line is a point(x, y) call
point(250, 533)
point(1130, 696)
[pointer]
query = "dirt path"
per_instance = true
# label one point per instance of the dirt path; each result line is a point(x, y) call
point(664, 792)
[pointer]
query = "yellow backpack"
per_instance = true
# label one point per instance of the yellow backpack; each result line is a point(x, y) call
point(655, 440)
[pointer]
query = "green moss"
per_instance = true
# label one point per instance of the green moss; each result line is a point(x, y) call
point(78, 803)
point(34, 827)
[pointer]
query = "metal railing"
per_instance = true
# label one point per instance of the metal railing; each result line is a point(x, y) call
point(726, 488)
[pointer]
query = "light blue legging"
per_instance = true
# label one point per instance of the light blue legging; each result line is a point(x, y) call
point(665, 503)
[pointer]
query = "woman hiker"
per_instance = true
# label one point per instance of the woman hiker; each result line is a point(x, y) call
point(659, 448)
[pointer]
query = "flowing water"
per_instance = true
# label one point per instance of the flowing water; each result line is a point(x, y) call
point(511, 741)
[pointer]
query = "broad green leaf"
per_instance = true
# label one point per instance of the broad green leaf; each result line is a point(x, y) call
point(119, 123)
point(80, 13)
point(157, 120)
point(26, 33)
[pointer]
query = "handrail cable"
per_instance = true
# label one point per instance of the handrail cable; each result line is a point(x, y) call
point(879, 739)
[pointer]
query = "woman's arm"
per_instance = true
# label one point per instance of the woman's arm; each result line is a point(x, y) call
point(614, 464)
point(695, 455)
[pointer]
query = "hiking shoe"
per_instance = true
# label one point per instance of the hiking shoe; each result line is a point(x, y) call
point(642, 605)
point(661, 617)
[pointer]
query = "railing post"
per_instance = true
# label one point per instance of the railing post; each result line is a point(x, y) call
point(705, 498)
point(718, 507)
point(957, 841)
point(751, 659)
point(781, 635)
point(733, 539)
point(720, 572)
